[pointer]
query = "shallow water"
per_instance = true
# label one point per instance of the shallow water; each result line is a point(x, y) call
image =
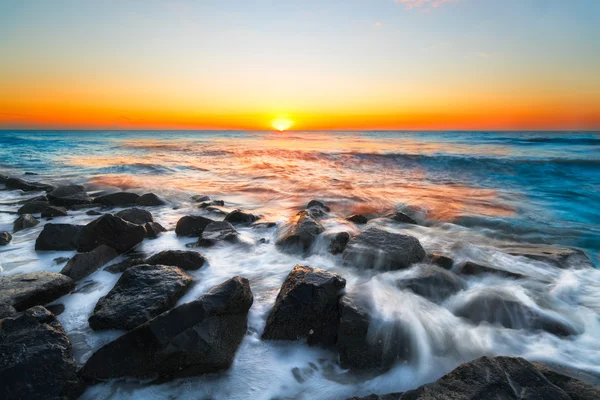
point(472, 192)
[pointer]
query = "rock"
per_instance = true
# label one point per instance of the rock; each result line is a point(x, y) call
point(35, 288)
point(6, 310)
point(5, 238)
point(117, 199)
point(34, 207)
point(195, 338)
point(401, 217)
point(441, 260)
point(42, 198)
point(153, 229)
point(200, 198)
point(58, 237)
point(83, 264)
point(77, 207)
point(434, 283)
point(471, 268)
point(572, 382)
point(111, 231)
point(382, 250)
point(69, 195)
point(61, 260)
point(52, 211)
point(125, 264)
point(140, 294)
point(499, 307)
point(306, 307)
point(218, 231)
point(150, 200)
point(317, 204)
point(338, 242)
point(191, 226)
point(357, 219)
point(26, 186)
point(93, 212)
point(56, 309)
point(36, 359)
point(219, 203)
point(135, 216)
point(559, 257)
point(25, 221)
point(299, 233)
point(216, 210)
point(240, 217)
point(186, 260)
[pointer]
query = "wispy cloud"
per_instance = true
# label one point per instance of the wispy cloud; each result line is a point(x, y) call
point(378, 24)
point(428, 4)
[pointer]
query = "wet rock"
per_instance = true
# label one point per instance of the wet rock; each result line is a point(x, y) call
point(58, 237)
point(498, 307)
point(69, 195)
point(382, 250)
point(60, 260)
point(264, 225)
point(27, 186)
point(357, 219)
point(5, 238)
point(216, 210)
point(117, 199)
point(306, 307)
point(559, 257)
point(135, 216)
point(338, 242)
point(34, 207)
point(218, 231)
point(150, 200)
point(317, 204)
point(56, 309)
point(6, 310)
point(153, 229)
point(434, 283)
point(186, 260)
point(572, 382)
point(191, 225)
point(93, 212)
point(240, 217)
point(200, 198)
point(219, 203)
point(52, 211)
point(140, 294)
point(25, 221)
point(36, 359)
point(83, 264)
point(471, 268)
point(42, 198)
point(401, 217)
point(195, 338)
point(77, 207)
point(440, 260)
point(111, 231)
point(125, 264)
point(35, 288)
point(299, 233)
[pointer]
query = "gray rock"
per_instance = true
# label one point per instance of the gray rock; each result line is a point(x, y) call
point(5, 238)
point(218, 231)
point(471, 268)
point(58, 237)
point(153, 229)
point(27, 186)
point(35, 288)
point(338, 242)
point(576, 384)
point(6, 310)
point(401, 217)
point(34, 207)
point(150, 200)
point(83, 264)
point(191, 226)
point(557, 256)
point(69, 195)
point(52, 211)
point(117, 199)
point(111, 231)
point(433, 283)
point(136, 216)
point(240, 217)
point(299, 233)
point(186, 260)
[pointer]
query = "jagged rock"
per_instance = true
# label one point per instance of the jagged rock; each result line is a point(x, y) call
point(153, 229)
point(382, 250)
point(24, 221)
point(357, 219)
point(26, 186)
point(117, 199)
point(401, 217)
point(150, 200)
point(5, 238)
point(6, 310)
point(195, 338)
point(35, 288)
point(187, 260)
point(111, 231)
point(125, 264)
point(83, 264)
point(306, 307)
point(338, 242)
point(69, 195)
point(52, 211)
point(240, 217)
point(58, 237)
point(570, 381)
point(191, 225)
point(471, 268)
point(560, 257)
point(433, 283)
point(140, 294)
point(36, 359)
point(441, 260)
point(299, 233)
point(135, 216)
point(218, 231)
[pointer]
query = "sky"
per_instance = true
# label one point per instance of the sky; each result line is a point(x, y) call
point(312, 64)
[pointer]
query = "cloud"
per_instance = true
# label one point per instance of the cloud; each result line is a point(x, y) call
point(428, 4)
point(378, 24)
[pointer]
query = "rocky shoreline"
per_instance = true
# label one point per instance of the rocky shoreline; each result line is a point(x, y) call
point(165, 341)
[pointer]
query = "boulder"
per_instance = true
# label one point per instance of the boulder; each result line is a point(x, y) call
point(195, 338)
point(218, 231)
point(186, 260)
point(26, 186)
point(5, 238)
point(56, 309)
point(6, 310)
point(306, 307)
point(35, 288)
point(191, 225)
point(125, 264)
point(240, 217)
point(36, 359)
point(434, 283)
point(111, 231)
point(200, 198)
point(471, 268)
point(317, 209)
point(42, 198)
point(558, 256)
point(357, 219)
point(572, 382)
point(52, 211)
point(150, 200)
point(401, 217)
point(440, 260)
point(136, 216)
point(117, 199)
point(153, 229)
point(140, 294)
point(69, 195)
point(338, 242)
point(299, 233)
point(58, 237)
point(382, 250)
point(83, 264)
point(34, 207)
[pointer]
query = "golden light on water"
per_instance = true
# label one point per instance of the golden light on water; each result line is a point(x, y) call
point(282, 124)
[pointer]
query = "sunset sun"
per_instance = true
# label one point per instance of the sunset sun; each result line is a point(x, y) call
point(282, 124)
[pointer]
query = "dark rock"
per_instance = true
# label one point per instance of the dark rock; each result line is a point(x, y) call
point(93, 212)
point(117, 199)
point(219, 203)
point(60, 260)
point(264, 225)
point(559, 257)
point(26, 186)
point(299, 233)
point(30, 173)
point(150, 200)
point(441, 260)
point(218, 231)
point(317, 204)
point(191, 226)
point(42, 198)
point(111, 231)
point(52, 211)
point(382, 250)
point(135, 216)
point(195, 338)
point(200, 198)
point(240, 217)
point(5, 238)
point(153, 229)
point(498, 307)
point(3, 178)
point(338, 242)
point(83, 264)
point(56, 309)
point(357, 219)
point(58, 237)
point(25, 221)
point(471, 268)
point(216, 210)
point(69, 195)
point(433, 283)
point(187, 260)
point(35, 288)
point(125, 264)
point(34, 207)
point(390, 396)
point(401, 217)
point(36, 359)
point(6, 310)
point(77, 207)
point(572, 382)
point(306, 307)
point(140, 294)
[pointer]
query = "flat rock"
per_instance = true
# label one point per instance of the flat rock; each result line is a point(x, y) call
point(5, 238)
point(112, 231)
point(25, 221)
point(53, 211)
point(186, 260)
point(434, 283)
point(140, 294)
point(191, 225)
point(83, 264)
point(69, 195)
point(58, 237)
point(306, 307)
point(299, 233)
point(150, 200)
point(557, 256)
point(195, 338)
point(117, 199)
point(240, 217)
point(136, 216)
point(471, 268)
point(35, 288)
point(27, 186)
point(153, 229)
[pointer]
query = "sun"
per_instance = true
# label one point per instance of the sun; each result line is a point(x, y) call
point(282, 124)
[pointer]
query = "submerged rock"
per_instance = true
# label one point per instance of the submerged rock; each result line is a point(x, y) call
point(440, 260)
point(433, 283)
point(93, 212)
point(382, 250)
point(559, 257)
point(471, 268)
point(35, 288)
point(83, 264)
point(27, 186)
point(306, 307)
point(136, 216)
point(58, 237)
point(401, 217)
point(153, 229)
point(338, 242)
point(111, 231)
point(186, 260)
point(218, 231)
point(69, 195)
point(191, 225)
point(240, 217)
point(117, 199)
point(200, 198)
point(5, 238)
point(195, 338)
point(140, 294)
point(150, 200)
point(36, 359)
point(299, 233)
